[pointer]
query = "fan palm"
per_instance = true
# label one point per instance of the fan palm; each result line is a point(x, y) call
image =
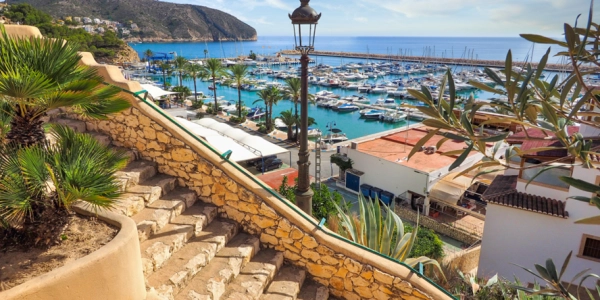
point(40, 183)
point(292, 91)
point(289, 120)
point(148, 54)
point(38, 75)
point(4, 119)
point(179, 63)
point(205, 53)
point(166, 69)
point(214, 68)
point(195, 71)
point(238, 73)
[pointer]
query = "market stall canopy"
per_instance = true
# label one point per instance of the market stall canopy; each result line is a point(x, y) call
point(155, 91)
point(449, 189)
point(223, 137)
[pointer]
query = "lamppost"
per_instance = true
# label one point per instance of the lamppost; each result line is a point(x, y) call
point(304, 20)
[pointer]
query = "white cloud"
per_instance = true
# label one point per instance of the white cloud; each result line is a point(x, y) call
point(361, 19)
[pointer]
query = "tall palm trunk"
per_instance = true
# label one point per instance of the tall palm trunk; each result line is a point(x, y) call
point(296, 108)
point(290, 132)
point(239, 102)
point(164, 80)
point(180, 78)
point(215, 93)
point(26, 130)
point(195, 91)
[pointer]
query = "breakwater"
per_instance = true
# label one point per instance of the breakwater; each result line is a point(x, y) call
point(441, 60)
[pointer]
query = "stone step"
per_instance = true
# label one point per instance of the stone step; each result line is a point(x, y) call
point(312, 290)
point(286, 284)
point(103, 139)
point(161, 212)
point(193, 257)
point(129, 204)
point(131, 154)
point(136, 172)
point(211, 281)
point(157, 250)
point(78, 126)
point(255, 276)
point(153, 188)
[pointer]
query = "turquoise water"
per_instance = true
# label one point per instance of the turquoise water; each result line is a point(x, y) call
point(455, 47)
point(349, 123)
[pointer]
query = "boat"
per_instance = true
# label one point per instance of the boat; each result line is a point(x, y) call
point(389, 103)
point(279, 124)
point(335, 137)
point(255, 113)
point(380, 89)
point(347, 107)
point(372, 114)
point(393, 117)
point(313, 132)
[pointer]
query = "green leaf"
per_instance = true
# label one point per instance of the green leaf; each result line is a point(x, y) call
point(453, 136)
point(489, 72)
point(589, 221)
point(542, 65)
point(421, 97)
point(437, 124)
point(565, 264)
point(461, 158)
point(570, 37)
point(422, 142)
point(452, 90)
point(580, 103)
point(485, 87)
point(441, 142)
point(580, 184)
point(466, 123)
point(542, 39)
point(508, 66)
point(493, 139)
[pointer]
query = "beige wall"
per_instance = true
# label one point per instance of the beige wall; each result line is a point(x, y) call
point(348, 270)
point(111, 272)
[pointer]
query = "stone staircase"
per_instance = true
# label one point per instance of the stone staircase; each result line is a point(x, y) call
point(188, 252)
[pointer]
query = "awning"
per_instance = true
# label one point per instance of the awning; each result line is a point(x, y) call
point(450, 189)
point(155, 91)
point(223, 137)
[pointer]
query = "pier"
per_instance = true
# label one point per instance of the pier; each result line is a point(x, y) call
point(439, 60)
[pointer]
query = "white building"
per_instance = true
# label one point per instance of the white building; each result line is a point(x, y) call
point(77, 19)
point(97, 21)
point(384, 162)
point(100, 30)
point(88, 28)
point(526, 226)
point(87, 20)
point(134, 26)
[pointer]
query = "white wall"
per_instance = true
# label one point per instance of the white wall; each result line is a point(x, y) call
point(387, 175)
point(543, 191)
point(525, 238)
point(578, 209)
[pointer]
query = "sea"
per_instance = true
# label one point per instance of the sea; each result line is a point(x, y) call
point(350, 123)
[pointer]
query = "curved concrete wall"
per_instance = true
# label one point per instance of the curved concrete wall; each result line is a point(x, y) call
point(111, 272)
point(349, 271)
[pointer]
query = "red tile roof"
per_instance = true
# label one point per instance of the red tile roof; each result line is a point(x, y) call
point(532, 144)
point(503, 191)
point(535, 133)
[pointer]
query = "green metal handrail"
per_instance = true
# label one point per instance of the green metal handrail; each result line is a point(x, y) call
point(276, 195)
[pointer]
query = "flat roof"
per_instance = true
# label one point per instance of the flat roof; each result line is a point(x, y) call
point(396, 147)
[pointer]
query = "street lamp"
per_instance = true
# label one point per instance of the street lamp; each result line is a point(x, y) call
point(304, 20)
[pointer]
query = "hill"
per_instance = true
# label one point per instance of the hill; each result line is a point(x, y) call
point(157, 21)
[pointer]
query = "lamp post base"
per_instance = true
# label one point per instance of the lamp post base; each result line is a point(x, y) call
point(304, 200)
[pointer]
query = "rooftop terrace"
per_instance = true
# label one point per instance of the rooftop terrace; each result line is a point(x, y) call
point(396, 147)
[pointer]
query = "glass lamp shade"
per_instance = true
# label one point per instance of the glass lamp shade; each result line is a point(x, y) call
point(305, 20)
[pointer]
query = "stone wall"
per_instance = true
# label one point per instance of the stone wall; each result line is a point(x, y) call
point(465, 261)
point(350, 271)
point(445, 229)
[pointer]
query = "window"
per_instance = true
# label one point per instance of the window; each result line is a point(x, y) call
point(590, 247)
point(550, 177)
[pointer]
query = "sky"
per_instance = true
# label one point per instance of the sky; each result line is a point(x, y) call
point(462, 18)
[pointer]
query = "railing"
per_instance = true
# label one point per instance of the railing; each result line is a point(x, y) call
point(277, 195)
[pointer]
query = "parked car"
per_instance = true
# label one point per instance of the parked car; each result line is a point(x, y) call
point(270, 164)
point(257, 161)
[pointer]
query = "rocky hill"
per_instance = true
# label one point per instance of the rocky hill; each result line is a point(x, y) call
point(157, 21)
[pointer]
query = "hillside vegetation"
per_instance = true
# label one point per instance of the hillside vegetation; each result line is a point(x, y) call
point(157, 21)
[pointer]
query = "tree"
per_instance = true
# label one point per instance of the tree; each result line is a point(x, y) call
point(343, 162)
point(238, 73)
point(214, 68)
point(205, 53)
point(292, 91)
point(165, 68)
point(30, 86)
point(179, 63)
point(289, 120)
point(78, 167)
point(195, 71)
point(183, 91)
point(148, 54)
point(269, 96)
point(323, 203)
point(252, 55)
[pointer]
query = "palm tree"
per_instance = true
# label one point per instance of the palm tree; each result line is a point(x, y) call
point(269, 96)
point(166, 69)
point(292, 91)
point(238, 73)
point(195, 71)
point(214, 68)
point(180, 62)
point(289, 120)
point(205, 53)
point(78, 167)
point(38, 75)
point(148, 54)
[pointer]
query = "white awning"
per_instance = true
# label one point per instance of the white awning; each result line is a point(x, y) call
point(450, 189)
point(223, 137)
point(155, 91)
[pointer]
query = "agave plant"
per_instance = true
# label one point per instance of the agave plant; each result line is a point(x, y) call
point(379, 228)
point(40, 183)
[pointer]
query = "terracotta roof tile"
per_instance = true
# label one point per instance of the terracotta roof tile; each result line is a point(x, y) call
point(503, 191)
point(535, 133)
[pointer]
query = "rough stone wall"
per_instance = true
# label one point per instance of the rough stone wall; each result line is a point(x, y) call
point(344, 276)
point(445, 229)
point(465, 261)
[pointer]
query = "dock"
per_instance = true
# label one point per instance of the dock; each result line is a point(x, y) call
point(439, 60)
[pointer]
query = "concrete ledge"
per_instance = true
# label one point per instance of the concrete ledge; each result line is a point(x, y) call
point(111, 272)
